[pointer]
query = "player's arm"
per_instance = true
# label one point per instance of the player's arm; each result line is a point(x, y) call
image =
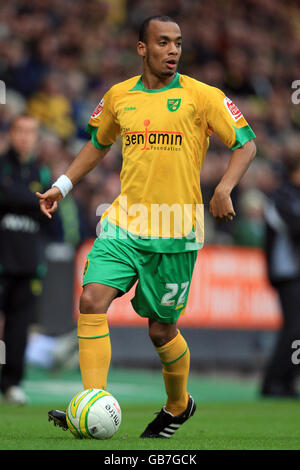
point(221, 205)
point(103, 128)
point(87, 159)
point(229, 124)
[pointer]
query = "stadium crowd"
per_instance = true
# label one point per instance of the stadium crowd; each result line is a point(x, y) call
point(58, 58)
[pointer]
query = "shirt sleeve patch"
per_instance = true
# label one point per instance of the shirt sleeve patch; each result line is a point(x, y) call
point(98, 110)
point(233, 110)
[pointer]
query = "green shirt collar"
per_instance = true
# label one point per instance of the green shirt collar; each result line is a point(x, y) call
point(173, 84)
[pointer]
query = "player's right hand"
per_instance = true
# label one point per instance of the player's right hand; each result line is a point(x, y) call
point(49, 201)
point(221, 206)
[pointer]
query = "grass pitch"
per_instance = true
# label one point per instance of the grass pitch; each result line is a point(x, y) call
point(252, 425)
point(229, 415)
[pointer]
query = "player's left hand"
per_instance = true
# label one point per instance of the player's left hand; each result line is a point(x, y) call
point(221, 206)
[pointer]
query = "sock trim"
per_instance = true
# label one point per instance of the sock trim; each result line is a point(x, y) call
point(177, 359)
point(92, 337)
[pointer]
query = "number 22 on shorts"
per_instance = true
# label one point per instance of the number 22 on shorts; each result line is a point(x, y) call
point(168, 298)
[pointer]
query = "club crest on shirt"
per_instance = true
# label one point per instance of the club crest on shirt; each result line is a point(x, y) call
point(233, 110)
point(173, 104)
point(98, 110)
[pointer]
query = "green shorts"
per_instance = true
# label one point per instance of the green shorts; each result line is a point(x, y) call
point(163, 278)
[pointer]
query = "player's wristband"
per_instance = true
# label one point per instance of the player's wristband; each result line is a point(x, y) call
point(64, 184)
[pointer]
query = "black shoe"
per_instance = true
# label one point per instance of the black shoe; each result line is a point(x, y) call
point(59, 418)
point(165, 424)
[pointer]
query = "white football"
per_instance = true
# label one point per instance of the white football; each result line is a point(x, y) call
point(94, 414)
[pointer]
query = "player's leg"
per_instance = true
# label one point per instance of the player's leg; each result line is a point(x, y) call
point(174, 354)
point(161, 295)
point(108, 273)
point(93, 334)
point(175, 358)
point(93, 340)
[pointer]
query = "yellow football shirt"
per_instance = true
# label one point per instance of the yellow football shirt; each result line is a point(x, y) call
point(165, 136)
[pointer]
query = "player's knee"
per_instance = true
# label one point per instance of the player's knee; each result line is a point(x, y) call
point(161, 334)
point(92, 301)
point(86, 304)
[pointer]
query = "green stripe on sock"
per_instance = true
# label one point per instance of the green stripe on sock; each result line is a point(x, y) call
point(92, 337)
point(179, 357)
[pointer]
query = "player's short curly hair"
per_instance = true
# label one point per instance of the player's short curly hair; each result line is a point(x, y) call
point(144, 26)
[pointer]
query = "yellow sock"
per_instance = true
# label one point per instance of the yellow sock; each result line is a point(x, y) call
point(94, 349)
point(175, 359)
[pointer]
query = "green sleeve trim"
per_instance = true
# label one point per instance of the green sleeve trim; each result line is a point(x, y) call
point(93, 133)
point(93, 337)
point(242, 135)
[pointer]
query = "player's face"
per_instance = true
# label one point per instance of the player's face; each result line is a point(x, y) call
point(162, 50)
point(24, 136)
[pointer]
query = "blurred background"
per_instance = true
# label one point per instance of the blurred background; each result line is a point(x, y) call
point(57, 59)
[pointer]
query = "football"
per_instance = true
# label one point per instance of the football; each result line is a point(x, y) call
point(94, 414)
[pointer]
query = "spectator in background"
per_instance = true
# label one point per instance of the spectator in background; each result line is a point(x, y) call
point(283, 257)
point(52, 108)
point(22, 263)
